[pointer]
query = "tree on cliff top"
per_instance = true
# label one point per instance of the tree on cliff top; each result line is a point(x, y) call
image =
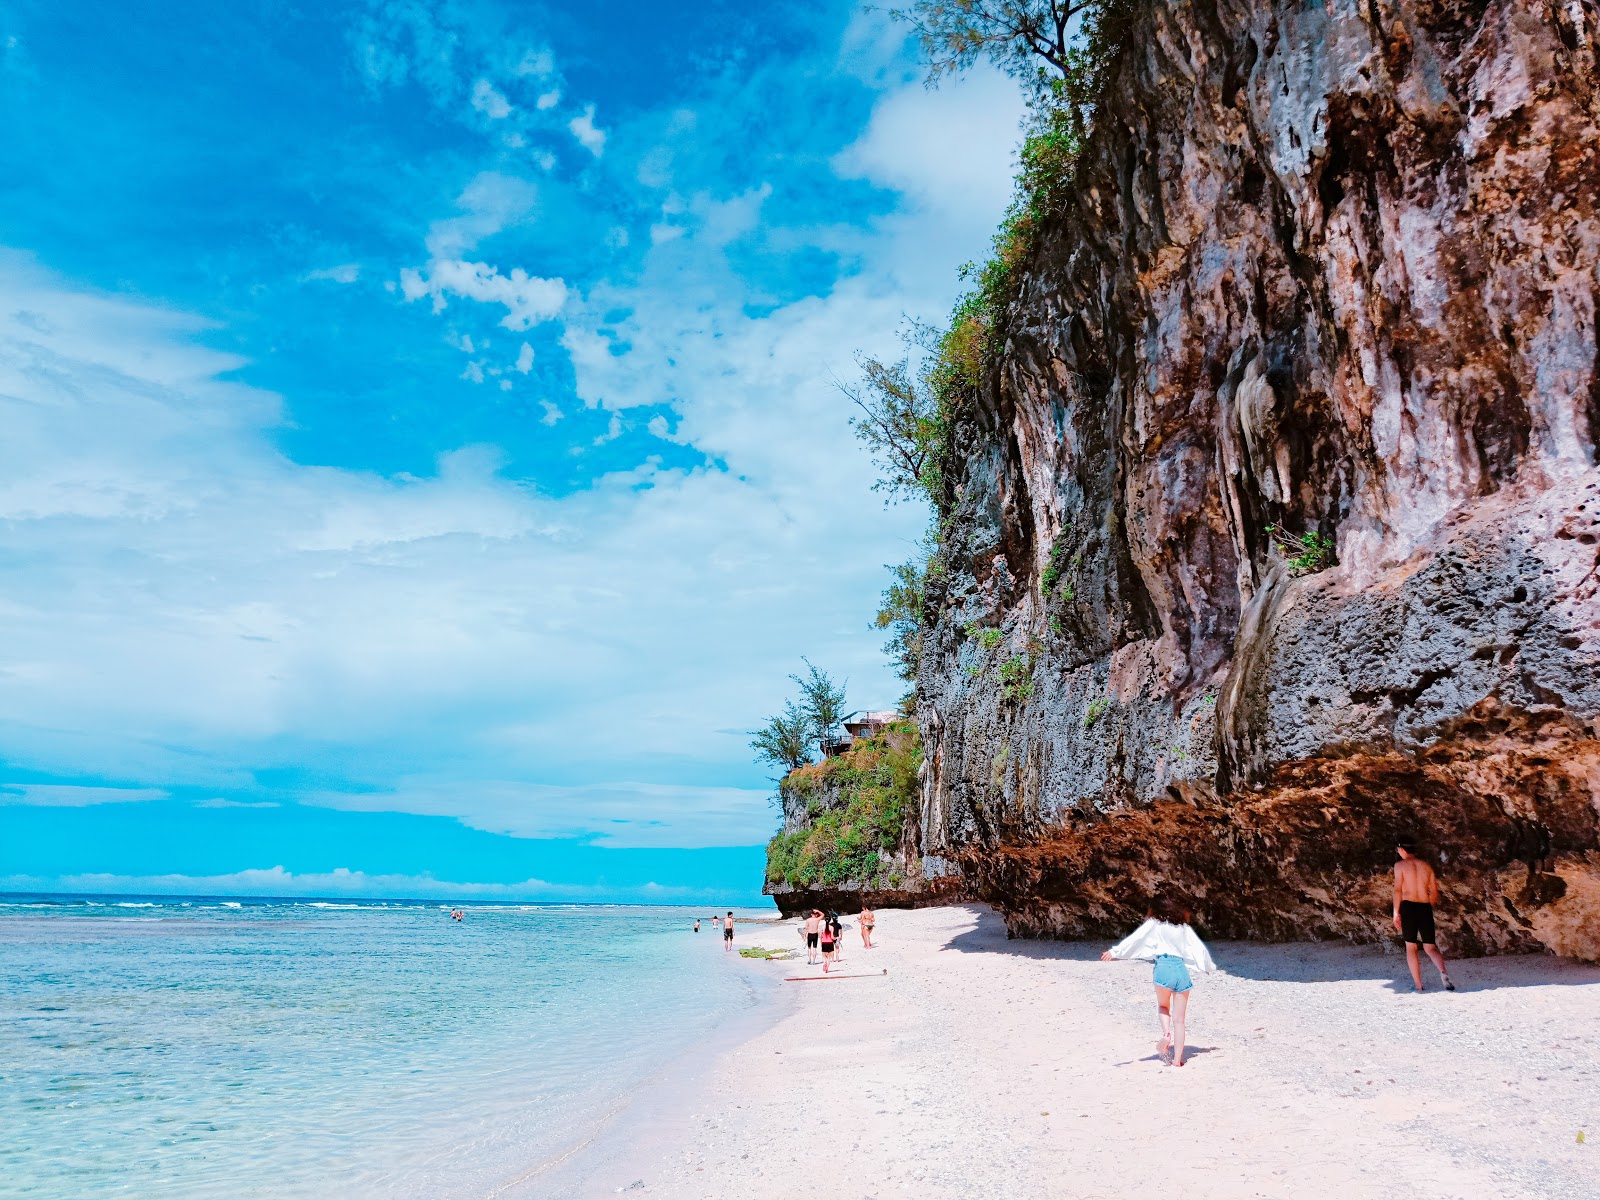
point(822, 702)
point(1015, 35)
point(785, 740)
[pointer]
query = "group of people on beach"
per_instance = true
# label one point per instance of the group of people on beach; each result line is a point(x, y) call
point(824, 936)
point(1167, 941)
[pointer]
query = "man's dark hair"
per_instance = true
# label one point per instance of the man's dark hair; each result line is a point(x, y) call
point(1408, 845)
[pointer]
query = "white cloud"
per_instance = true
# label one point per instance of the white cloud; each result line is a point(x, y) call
point(343, 273)
point(910, 146)
point(223, 802)
point(583, 128)
point(490, 203)
point(527, 299)
point(61, 795)
point(525, 358)
point(548, 100)
point(538, 63)
point(552, 412)
point(490, 102)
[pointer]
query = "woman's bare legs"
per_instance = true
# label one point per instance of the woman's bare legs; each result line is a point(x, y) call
point(1164, 1006)
point(1180, 1011)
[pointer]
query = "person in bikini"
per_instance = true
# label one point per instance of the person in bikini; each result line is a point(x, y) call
point(727, 932)
point(866, 920)
point(1416, 891)
point(813, 928)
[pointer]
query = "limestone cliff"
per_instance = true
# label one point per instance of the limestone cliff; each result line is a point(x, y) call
point(1329, 269)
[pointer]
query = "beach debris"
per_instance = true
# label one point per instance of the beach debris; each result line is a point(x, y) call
point(1580, 1137)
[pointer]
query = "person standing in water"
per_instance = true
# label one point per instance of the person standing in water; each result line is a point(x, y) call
point(727, 932)
point(697, 924)
point(866, 920)
point(716, 921)
point(1166, 939)
point(1416, 891)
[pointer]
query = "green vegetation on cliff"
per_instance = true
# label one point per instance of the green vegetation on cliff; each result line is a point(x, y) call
point(856, 805)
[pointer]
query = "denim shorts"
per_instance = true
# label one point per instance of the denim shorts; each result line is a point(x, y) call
point(1172, 974)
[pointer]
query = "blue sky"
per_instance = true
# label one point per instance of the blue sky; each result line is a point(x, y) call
point(421, 464)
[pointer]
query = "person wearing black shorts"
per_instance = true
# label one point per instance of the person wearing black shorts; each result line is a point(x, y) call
point(727, 933)
point(1416, 891)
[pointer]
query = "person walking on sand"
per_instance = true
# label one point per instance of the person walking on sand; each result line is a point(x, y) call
point(813, 929)
point(828, 942)
point(1416, 891)
point(838, 937)
point(1166, 939)
point(727, 933)
point(866, 920)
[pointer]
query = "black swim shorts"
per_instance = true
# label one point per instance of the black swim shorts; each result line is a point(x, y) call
point(1416, 922)
point(727, 935)
point(811, 939)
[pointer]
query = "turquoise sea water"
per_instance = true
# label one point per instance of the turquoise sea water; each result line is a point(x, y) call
point(212, 1048)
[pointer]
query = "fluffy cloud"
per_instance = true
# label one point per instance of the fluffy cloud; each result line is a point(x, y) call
point(589, 137)
point(488, 204)
point(343, 273)
point(490, 102)
point(527, 298)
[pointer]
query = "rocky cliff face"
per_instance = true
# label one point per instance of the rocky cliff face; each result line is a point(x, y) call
point(1330, 268)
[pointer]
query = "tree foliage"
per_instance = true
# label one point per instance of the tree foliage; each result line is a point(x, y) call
point(1028, 39)
point(900, 612)
point(822, 703)
point(785, 740)
point(896, 424)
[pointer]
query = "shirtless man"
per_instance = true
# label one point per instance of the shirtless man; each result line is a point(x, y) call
point(727, 933)
point(1416, 891)
point(813, 928)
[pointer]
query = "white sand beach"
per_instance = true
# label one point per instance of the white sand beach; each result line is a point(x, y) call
point(982, 1067)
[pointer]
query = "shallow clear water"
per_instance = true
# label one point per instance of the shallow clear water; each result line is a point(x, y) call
point(208, 1048)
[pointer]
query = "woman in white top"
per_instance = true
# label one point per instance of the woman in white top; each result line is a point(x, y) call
point(1167, 940)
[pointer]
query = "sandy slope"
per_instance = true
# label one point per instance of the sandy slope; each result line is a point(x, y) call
point(980, 1067)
